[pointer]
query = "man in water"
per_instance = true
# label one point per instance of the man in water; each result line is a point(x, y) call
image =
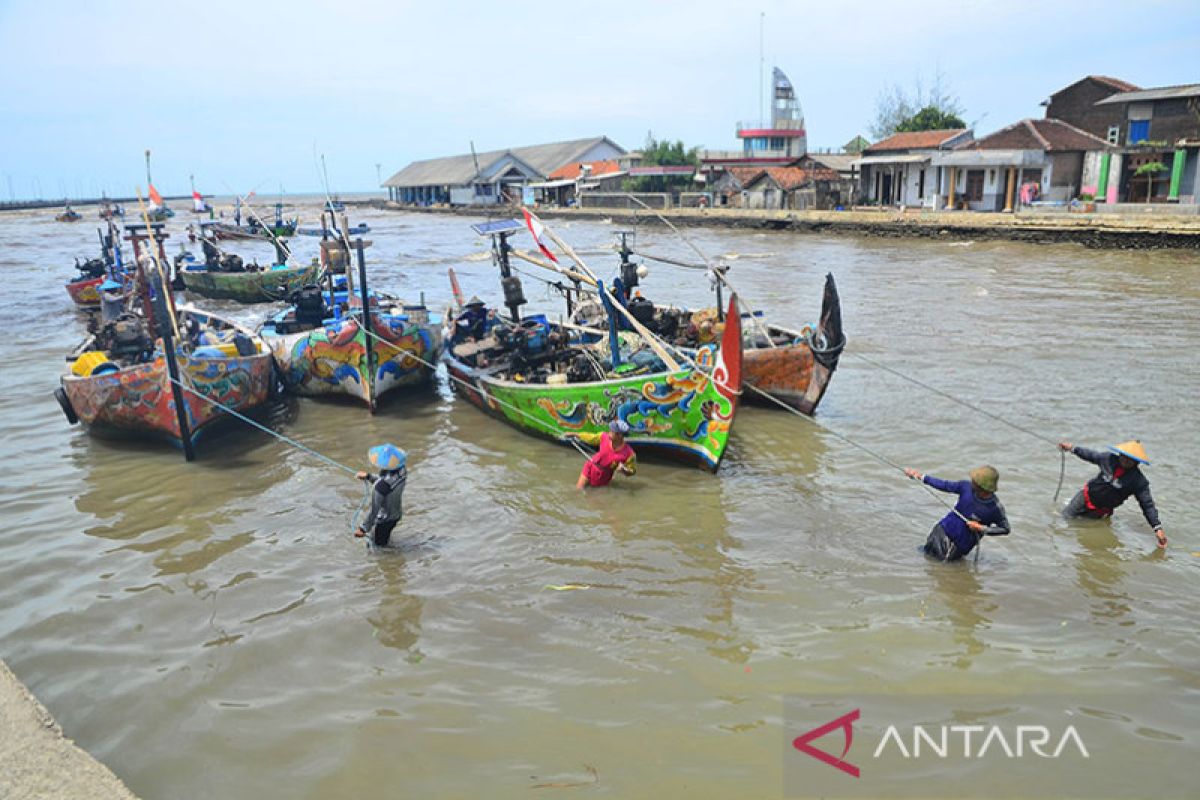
point(386, 498)
point(977, 513)
point(615, 454)
point(1119, 478)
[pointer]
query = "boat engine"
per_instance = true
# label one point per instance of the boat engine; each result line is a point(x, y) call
point(642, 310)
point(126, 339)
point(92, 268)
point(230, 263)
point(311, 310)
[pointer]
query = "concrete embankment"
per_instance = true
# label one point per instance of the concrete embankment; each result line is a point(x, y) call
point(1135, 231)
point(38, 761)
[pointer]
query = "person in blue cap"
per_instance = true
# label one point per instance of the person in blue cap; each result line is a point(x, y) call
point(112, 300)
point(387, 498)
point(1119, 478)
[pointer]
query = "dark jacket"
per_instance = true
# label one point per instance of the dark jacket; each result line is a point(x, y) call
point(1115, 484)
point(386, 499)
point(989, 512)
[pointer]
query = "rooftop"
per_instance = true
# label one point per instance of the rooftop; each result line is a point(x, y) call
point(1161, 93)
point(1051, 135)
point(915, 140)
point(460, 170)
point(573, 170)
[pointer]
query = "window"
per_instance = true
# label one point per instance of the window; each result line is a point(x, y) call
point(1114, 134)
point(974, 191)
point(776, 142)
point(1139, 130)
point(483, 189)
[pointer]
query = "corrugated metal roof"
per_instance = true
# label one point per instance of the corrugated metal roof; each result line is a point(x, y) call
point(460, 170)
point(1161, 93)
point(985, 158)
point(898, 158)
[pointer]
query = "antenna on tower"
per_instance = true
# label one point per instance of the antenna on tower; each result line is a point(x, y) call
point(762, 65)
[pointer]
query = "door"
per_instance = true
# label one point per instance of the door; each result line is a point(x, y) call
point(885, 196)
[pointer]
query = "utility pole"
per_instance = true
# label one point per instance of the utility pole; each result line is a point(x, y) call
point(378, 174)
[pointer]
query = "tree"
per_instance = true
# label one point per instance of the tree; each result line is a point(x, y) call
point(1150, 170)
point(895, 106)
point(664, 153)
point(930, 118)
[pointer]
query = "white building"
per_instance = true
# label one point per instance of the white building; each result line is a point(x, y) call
point(898, 170)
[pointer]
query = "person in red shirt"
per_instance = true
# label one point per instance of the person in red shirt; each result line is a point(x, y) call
point(615, 454)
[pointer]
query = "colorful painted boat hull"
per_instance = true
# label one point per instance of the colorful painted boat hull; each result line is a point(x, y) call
point(684, 416)
point(262, 286)
point(332, 360)
point(85, 294)
point(139, 399)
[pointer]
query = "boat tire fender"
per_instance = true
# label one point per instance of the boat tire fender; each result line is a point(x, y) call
point(64, 402)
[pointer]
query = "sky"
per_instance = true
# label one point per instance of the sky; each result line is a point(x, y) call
point(246, 95)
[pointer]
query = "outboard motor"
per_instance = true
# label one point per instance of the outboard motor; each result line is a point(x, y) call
point(310, 306)
point(126, 338)
point(232, 263)
point(642, 310)
point(92, 268)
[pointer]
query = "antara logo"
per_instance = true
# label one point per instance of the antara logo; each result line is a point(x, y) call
point(976, 742)
point(846, 723)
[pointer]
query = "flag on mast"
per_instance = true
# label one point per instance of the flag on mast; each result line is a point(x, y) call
point(536, 228)
point(155, 197)
point(198, 204)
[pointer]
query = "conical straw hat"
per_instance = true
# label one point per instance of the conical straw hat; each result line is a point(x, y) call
point(1133, 448)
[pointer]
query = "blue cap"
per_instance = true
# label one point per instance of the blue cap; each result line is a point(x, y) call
point(109, 284)
point(619, 426)
point(387, 457)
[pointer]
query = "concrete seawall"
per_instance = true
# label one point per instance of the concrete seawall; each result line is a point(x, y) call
point(1120, 231)
point(38, 761)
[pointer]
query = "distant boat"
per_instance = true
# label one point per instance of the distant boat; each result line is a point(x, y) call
point(111, 210)
point(199, 204)
point(69, 215)
point(227, 277)
point(336, 233)
point(335, 205)
point(279, 229)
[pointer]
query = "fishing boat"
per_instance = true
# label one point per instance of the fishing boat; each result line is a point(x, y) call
point(68, 215)
point(158, 210)
point(93, 271)
point(532, 374)
point(353, 230)
point(253, 228)
point(120, 379)
point(225, 276)
point(111, 210)
point(792, 366)
point(326, 346)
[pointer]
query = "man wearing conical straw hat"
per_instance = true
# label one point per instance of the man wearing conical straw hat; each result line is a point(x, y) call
point(1119, 478)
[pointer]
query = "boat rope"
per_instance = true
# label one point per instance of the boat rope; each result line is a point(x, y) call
point(354, 520)
point(874, 454)
point(715, 272)
point(973, 407)
point(264, 428)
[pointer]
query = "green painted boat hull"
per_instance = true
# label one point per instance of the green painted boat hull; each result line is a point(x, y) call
point(683, 416)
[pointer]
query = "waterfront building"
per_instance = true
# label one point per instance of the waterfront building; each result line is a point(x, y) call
point(898, 171)
point(779, 141)
point(1145, 126)
point(494, 177)
point(985, 174)
point(564, 185)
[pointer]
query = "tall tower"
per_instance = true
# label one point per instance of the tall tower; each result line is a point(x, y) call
point(785, 139)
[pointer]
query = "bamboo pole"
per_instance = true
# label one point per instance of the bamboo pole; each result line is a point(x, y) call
point(169, 301)
point(645, 333)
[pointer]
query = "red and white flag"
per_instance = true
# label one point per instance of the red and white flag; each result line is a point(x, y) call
point(536, 228)
point(198, 201)
point(155, 197)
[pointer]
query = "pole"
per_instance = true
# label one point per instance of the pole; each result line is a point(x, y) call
point(185, 433)
point(762, 66)
point(366, 321)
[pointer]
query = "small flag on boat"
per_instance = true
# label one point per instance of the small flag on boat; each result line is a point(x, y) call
point(536, 228)
point(198, 201)
point(155, 197)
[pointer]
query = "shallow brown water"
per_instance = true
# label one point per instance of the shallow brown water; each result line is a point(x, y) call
point(211, 630)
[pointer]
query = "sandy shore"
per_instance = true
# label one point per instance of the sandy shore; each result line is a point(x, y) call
point(38, 761)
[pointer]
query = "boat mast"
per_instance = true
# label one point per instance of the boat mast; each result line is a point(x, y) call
point(366, 321)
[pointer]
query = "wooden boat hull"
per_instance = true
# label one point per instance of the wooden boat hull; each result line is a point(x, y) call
point(85, 294)
point(263, 286)
point(798, 374)
point(139, 399)
point(332, 359)
point(683, 416)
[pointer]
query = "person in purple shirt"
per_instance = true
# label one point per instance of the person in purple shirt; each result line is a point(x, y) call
point(977, 513)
